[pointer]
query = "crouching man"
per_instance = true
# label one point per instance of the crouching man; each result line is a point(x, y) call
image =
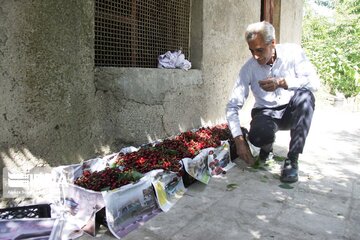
point(281, 79)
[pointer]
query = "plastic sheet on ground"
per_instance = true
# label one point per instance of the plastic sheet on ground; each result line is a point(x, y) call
point(29, 229)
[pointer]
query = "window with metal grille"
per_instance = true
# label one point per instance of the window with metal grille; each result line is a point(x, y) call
point(133, 33)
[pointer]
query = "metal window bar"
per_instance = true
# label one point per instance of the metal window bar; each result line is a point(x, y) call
point(133, 33)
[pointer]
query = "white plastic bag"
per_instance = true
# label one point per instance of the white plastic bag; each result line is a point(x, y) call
point(173, 60)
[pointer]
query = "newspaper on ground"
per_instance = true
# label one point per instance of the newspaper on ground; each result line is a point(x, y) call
point(131, 205)
point(169, 188)
point(209, 162)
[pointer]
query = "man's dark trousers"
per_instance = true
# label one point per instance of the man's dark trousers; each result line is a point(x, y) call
point(295, 116)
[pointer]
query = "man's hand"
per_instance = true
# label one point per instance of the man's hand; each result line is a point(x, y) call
point(271, 84)
point(243, 150)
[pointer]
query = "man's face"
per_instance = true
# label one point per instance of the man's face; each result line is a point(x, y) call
point(261, 51)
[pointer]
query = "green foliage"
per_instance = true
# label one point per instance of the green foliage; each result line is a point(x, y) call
point(333, 44)
point(325, 3)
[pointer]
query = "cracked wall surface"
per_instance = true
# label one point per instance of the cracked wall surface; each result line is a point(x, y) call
point(47, 113)
point(142, 105)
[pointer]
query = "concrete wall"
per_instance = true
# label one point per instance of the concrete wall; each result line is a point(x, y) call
point(57, 108)
point(143, 104)
point(139, 105)
point(47, 112)
point(225, 50)
point(290, 21)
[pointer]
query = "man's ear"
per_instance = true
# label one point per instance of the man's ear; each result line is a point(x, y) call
point(273, 42)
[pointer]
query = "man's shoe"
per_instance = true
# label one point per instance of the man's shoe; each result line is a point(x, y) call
point(264, 156)
point(289, 172)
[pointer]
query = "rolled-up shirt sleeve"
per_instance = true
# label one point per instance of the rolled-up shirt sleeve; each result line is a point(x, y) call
point(305, 72)
point(236, 101)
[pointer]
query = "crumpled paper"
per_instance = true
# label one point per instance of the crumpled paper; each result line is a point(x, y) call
point(174, 59)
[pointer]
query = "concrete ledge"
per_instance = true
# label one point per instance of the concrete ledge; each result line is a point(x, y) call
point(144, 85)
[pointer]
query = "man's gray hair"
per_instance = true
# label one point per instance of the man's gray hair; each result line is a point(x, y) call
point(265, 29)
